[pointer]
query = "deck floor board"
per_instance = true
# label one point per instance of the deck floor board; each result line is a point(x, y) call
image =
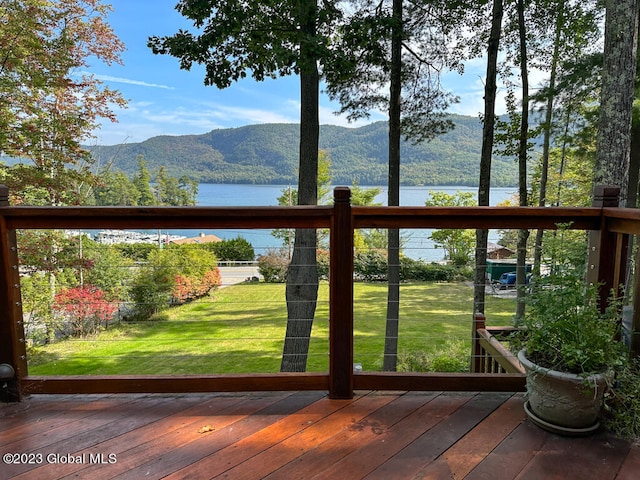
point(298, 435)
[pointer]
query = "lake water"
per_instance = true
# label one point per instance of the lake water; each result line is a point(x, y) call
point(416, 242)
point(216, 195)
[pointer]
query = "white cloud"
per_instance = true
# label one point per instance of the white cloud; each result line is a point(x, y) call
point(128, 81)
point(246, 116)
point(147, 119)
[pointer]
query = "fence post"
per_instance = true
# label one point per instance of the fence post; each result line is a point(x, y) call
point(13, 356)
point(607, 250)
point(341, 297)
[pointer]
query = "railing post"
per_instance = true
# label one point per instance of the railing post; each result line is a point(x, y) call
point(13, 356)
point(607, 251)
point(341, 297)
point(634, 329)
point(479, 321)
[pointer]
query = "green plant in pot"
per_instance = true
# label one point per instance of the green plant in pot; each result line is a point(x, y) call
point(569, 352)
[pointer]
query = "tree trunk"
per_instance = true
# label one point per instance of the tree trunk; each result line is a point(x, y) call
point(618, 75)
point(302, 275)
point(544, 170)
point(393, 253)
point(523, 235)
point(490, 88)
point(563, 153)
point(632, 191)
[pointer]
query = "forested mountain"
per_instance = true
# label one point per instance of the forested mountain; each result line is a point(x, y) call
point(268, 154)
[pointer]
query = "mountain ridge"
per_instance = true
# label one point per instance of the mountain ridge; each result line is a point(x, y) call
point(268, 154)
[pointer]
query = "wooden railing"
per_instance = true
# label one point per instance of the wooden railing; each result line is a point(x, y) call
point(610, 225)
point(488, 351)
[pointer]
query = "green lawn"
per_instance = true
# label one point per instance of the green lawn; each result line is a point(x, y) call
point(241, 329)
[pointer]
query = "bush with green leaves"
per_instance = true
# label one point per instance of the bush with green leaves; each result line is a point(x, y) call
point(420, 271)
point(40, 324)
point(273, 266)
point(233, 250)
point(110, 270)
point(323, 259)
point(138, 252)
point(458, 244)
point(622, 402)
point(370, 266)
point(173, 275)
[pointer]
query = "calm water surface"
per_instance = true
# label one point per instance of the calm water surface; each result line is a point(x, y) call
point(267, 195)
point(416, 242)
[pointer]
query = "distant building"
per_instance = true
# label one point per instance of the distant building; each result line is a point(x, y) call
point(498, 252)
point(113, 237)
point(202, 238)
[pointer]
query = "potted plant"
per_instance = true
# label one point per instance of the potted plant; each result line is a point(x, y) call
point(569, 354)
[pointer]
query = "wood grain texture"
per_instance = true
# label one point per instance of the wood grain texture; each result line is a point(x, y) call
point(301, 435)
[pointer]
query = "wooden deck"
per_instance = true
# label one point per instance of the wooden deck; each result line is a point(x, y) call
point(297, 435)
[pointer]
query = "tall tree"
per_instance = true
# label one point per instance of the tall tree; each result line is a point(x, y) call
point(618, 77)
point(47, 108)
point(567, 33)
point(174, 191)
point(302, 275)
point(489, 118)
point(142, 182)
point(116, 189)
point(523, 150)
point(391, 61)
point(513, 134)
point(395, 135)
point(269, 40)
point(546, 130)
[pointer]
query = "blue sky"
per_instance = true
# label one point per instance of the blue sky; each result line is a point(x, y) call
point(164, 100)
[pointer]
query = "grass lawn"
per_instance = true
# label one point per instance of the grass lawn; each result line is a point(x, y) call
point(241, 329)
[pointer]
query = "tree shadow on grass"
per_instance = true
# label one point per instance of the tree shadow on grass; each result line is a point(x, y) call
point(175, 362)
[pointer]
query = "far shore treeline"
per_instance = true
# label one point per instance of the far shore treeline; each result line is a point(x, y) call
point(268, 154)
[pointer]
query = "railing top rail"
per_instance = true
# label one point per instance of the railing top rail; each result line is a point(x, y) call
point(167, 217)
point(587, 218)
point(622, 220)
point(621, 212)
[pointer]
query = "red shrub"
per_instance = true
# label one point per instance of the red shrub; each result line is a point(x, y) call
point(86, 308)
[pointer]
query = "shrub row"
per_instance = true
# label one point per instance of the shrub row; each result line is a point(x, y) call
point(232, 250)
point(368, 266)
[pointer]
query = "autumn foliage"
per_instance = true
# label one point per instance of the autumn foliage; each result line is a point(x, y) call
point(188, 288)
point(51, 106)
point(84, 308)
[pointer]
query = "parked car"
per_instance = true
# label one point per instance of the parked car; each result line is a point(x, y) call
point(508, 280)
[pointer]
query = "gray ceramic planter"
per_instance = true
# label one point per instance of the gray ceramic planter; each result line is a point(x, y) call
point(563, 402)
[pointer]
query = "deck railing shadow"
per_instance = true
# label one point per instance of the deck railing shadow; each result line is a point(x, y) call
point(609, 225)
